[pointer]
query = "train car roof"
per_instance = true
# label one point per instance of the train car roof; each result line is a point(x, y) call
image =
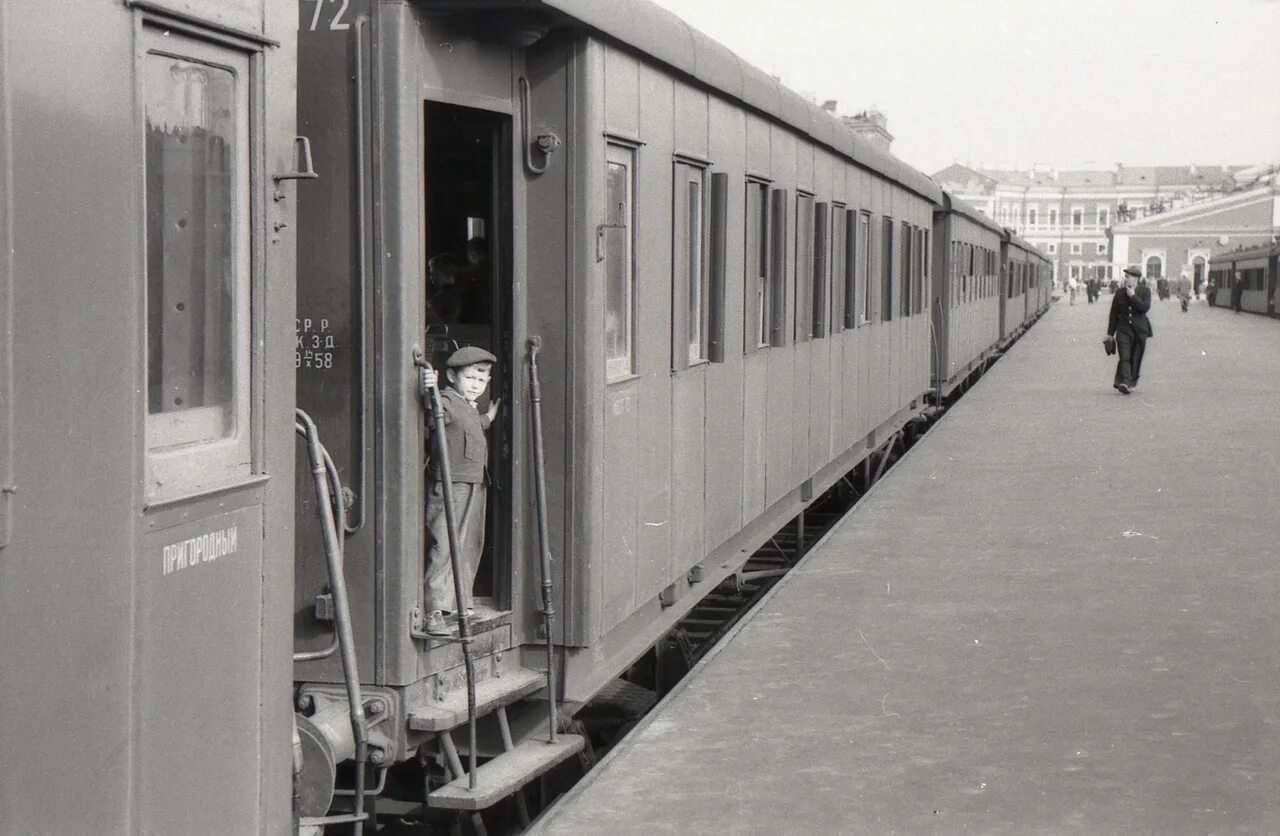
point(1256, 251)
point(1023, 244)
point(665, 37)
point(951, 203)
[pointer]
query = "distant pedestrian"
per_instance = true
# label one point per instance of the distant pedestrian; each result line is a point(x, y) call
point(1237, 291)
point(1211, 292)
point(1128, 323)
point(1072, 285)
point(1184, 290)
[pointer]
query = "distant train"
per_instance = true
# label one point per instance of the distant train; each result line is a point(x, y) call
point(1258, 268)
point(737, 302)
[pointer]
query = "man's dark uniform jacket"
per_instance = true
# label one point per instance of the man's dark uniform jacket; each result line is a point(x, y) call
point(1131, 311)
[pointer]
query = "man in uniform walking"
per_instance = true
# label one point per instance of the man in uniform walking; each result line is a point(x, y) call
point(1129, 325)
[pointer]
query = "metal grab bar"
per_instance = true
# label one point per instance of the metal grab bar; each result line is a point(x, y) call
point(432, 391)
point(342, 612)
point(335, 485)
point(544, 547)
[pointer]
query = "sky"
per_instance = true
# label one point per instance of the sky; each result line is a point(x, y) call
point(1013, 84)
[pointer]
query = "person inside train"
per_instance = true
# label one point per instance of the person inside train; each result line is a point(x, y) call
point(1128, 324)
point(469, 371)
point(458, 284)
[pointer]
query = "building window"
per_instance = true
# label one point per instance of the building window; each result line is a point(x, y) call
point(1032, 217)
point(1104, 216)
point(198, 269)
point(1053, 248)
point(1075, 272)
point(1102, 248)
point(1077, 217)
point(619, 308)
point(690, 326)
point(758, 296)
point(1053, 218)
point(1075, 248)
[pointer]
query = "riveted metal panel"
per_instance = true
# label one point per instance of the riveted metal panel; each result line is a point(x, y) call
point(200, 610)
point(622, 102)
point(653, 514)
point(688, 505)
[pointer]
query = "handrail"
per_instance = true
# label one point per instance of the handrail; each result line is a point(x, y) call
point(342, 611)
point(432, 390)
point(339, 510)
point(544, 547)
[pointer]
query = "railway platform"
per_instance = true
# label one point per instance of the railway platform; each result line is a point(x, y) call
point(1058, 613)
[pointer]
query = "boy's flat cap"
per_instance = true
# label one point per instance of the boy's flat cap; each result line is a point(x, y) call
point(1133, 271)
point(469, 354)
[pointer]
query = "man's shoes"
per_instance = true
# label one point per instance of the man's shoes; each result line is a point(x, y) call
point(1123, 387)
point(435, 624)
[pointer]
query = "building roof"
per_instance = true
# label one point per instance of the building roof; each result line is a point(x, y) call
point(1144, 177)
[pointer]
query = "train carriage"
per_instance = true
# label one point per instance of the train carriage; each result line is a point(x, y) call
point(967, 301)
point(731, 292)
point(146, 449)
point(1258, 266)
point(1021, 274)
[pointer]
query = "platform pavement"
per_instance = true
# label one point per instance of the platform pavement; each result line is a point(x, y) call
point(1060, 613)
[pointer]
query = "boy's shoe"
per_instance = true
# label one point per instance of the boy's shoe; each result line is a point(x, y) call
point(435, 624)
point(1123, 387)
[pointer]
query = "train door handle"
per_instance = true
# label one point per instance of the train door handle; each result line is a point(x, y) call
point(304, 168)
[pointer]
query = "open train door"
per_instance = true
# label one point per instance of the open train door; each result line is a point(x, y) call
point(467, 200)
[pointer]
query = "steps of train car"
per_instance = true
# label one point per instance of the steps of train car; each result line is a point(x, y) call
point(492, 693)
point(508, 772)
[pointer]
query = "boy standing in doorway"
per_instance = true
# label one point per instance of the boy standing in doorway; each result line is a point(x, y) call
point(468, 373)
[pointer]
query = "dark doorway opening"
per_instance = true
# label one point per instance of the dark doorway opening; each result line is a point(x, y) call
point(469, 289)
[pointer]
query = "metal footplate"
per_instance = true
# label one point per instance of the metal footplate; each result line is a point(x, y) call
point(506, 773)
point(492, 693)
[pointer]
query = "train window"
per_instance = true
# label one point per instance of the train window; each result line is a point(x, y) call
point(718, 235)
point(924, 269)
point(197, 193)
point(886, 269)
point(778, 267)
point(690, 326)
point(757, 296)
point(907, 270)
point(862, 264)
point(802, 327)
point(821, 304)
point(840, 264)
point(619, 292)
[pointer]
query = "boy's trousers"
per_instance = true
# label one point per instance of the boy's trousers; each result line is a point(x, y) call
point(468, 512)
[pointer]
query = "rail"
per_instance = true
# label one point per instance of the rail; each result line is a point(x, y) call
point(322, 472)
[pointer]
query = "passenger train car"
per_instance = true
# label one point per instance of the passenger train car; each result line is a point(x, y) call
point(1259, 267)
point(733, 302)
point(146, 410)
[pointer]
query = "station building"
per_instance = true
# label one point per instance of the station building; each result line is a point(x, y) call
point(1069, 214)
point(1188, 237)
